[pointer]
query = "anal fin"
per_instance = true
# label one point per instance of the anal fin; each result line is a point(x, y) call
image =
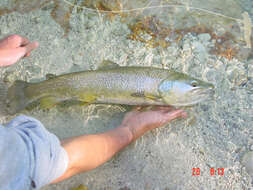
point(87, 99)
point(151, 97)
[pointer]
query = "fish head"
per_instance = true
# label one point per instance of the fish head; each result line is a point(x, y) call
point(182, 90)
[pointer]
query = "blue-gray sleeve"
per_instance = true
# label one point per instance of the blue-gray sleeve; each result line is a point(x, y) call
point(29, 154)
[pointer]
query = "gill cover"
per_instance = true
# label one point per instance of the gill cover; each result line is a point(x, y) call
point(180, 89)
point(173, 92)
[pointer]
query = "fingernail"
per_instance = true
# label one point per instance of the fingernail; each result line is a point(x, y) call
point(184, 115)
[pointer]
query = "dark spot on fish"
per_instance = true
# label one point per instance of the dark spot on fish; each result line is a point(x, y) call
point(32, 105)
point(125, 188)
point(138, 94)
point(68, 103)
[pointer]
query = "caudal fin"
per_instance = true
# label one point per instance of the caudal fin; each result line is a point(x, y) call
point(3, 95)
point(16, 99)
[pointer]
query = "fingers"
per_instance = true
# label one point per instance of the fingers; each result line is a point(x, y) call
point(174, 115)
point(20, 46)
point(13, 41)
point(23, 41)
point(24, 51)
point(163, 109)
point(29, 47)
point(28, 54)
point(9, 56)
point(153, 108)
point(137, 108)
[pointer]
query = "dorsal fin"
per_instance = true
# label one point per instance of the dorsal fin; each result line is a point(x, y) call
point(107, 64)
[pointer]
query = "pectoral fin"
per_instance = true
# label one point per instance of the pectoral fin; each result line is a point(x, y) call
point(85, 103)
point(145, 108)
point(152, 97)
point(48, 102)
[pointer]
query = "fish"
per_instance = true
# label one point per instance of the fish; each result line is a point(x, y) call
point(130, 85)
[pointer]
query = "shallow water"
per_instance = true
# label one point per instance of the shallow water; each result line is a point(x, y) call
point(203, 44)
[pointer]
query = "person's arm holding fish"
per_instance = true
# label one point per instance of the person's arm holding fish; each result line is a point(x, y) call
point(37, 156)
point(90, 151)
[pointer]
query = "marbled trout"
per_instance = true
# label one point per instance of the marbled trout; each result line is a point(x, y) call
point(117, 85)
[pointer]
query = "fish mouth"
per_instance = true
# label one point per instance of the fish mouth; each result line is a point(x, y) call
point(200, 95)
point(208, 92)
point(196, 96)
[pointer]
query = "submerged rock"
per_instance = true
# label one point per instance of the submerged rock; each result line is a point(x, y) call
point(250, 70)
point(247, 161)
point(237, 74)
point(204, 37)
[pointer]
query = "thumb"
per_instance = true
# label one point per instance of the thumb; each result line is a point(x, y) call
point(29, 47)
point(174, 115)
point(21, 52)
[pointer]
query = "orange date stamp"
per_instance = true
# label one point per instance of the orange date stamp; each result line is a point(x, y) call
point(213, 171)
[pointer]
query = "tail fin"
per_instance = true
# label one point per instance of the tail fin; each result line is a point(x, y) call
point(3, 95)
point(16, 99)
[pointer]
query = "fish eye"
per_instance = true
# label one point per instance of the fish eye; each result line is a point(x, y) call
point(194, 83)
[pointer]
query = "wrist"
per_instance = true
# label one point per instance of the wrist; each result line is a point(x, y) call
point(130, 134)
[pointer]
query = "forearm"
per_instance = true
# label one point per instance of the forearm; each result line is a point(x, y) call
point(90, 151)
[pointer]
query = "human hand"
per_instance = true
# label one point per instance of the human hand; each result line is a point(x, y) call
point(13, 48)
point(140, 122)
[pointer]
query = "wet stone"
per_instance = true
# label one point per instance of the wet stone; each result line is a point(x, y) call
point(9, 77)
point(204, 37)
point(34, 69)
point(247, 161)
point(250, 70)
point(4, 30)
point(213, 75)
point(237, 74)
point(231, 146)
point(48, 6)
point(243, 53)
point(198, 47)
point(204, 107)
point(251, 147)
